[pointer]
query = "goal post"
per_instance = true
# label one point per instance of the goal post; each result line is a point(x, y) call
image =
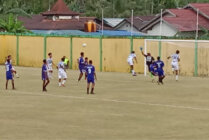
point(194, 55)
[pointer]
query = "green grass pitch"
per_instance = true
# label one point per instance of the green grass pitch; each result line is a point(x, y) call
point(123, 108)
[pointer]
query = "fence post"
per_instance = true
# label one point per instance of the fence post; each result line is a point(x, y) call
point(71, 52)
point(159, 47)
point(131, 44)
point(17, 50)
point(45, 46)
point(101, 53)
point(196, 58)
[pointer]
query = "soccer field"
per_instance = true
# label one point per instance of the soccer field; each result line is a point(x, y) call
point(123, 108)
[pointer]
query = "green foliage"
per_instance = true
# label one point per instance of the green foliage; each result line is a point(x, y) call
point(112, 8)
point(12, 25)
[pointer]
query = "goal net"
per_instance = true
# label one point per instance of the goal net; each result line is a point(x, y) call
point(194, 55)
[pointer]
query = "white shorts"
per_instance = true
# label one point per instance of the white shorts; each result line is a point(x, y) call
point(49, 68)
point(175, 66)
point(62, 74)
point(130, 62)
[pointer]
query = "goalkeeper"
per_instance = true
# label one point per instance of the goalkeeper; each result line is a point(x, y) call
point(66, 62)
point(149, 59)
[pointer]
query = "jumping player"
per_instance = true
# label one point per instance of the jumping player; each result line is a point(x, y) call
point(86, 64)
point(9, 75)
point(45, 77)
point(153, 70)
point(50, 64)
point(13, 69)
point(86, 61)
point(149, 60)
point(130, 61)
point(160, 65)
point(62, 73)
point(81, 64)
point(90, 74)
point(175, 63)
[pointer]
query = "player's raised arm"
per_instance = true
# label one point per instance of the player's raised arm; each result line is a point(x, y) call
point(143, 53)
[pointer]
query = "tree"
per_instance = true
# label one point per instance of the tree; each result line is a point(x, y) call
point(12, 25)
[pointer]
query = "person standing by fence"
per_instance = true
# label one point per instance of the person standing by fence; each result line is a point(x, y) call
point(130, 61)
point(175, 63)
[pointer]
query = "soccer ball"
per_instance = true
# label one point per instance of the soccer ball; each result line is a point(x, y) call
point(84, 45)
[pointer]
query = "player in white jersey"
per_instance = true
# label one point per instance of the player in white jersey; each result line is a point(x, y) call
point(175, 63)
point(9, 57)
point(50, 65)
point(62, 73)
point(130, 61)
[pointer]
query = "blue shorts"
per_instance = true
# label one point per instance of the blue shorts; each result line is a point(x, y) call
point(160, 73)
point(90, 80)
point(45, 77)
point(155, 73)
point(82, 70)
point(9, 76)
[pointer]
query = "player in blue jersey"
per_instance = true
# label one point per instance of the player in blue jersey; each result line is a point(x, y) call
point(86, 64)
point(9, 75)
point(81, 65)
point(160, 65)
point(153, 69)
point(91, 75)
point(13, 69)
point(45, 76)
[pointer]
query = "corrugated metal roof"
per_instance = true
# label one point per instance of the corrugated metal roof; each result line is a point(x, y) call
point(116, 33)
point(59, 32)
point(77, 32)
point(113, 21)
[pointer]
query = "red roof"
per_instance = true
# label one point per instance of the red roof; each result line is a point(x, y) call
point(60, 8)
point(186, 20)
point(39, 22)
point(183, 20)
point(203, 7)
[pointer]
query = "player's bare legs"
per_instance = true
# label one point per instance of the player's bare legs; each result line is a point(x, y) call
point(13, 84)
point(80, 76)
point(177, 75)
point(50, 74)
point(92, 88)
point(88, 85)
point(132, 70)
point(45, 83)
point(6, 84)
point(161, 79)
point(63, 82)
point(60, 82)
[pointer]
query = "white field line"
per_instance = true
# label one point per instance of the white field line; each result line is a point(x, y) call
point(109, 100)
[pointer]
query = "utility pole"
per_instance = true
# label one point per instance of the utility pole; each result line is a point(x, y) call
point(112, 8)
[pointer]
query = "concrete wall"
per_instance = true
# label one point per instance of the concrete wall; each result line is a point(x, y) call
point(7, 47)
point(108, 54)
